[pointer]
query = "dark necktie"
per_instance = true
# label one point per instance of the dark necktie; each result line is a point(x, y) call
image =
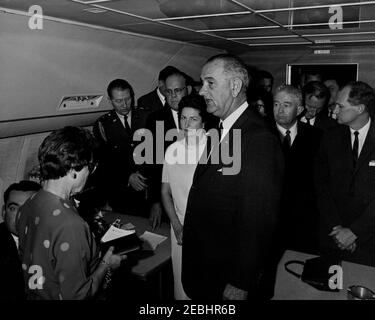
point(308, 121)
point(287, 140)
point(127, 127)
point(221, 128)
point(355, 148)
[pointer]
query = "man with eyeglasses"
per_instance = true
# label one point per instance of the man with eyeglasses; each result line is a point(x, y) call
point(156, 99)
point(176, 87)
point(345, 178)
point(118, 180)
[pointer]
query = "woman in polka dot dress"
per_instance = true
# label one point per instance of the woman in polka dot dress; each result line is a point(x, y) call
point(60, 259)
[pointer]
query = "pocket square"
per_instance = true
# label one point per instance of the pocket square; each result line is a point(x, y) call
point(371, 163)
point(220, 170)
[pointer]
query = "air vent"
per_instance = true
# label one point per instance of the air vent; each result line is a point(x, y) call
point(77, 102)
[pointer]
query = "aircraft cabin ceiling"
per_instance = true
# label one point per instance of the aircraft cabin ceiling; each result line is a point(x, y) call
point(233, 25)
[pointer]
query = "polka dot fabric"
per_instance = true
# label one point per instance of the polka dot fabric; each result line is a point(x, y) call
point(55, 238)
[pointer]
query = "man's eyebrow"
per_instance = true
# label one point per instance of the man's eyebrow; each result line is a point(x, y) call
point(13, 204)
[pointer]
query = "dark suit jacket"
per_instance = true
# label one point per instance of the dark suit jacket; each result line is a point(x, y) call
point(12, 284)
point(116, 161)
point(324, 122)
point(230, 219)
point(299, 213)
point(154, 171)
point(346, 195)
point(150, 101)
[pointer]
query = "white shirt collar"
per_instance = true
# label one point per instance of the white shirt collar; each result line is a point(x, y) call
point(362, 133)
point(232, 118)
point(15, 238)
point(161, 97)
point(122, 118)
point(293, 131)
point(312, 120)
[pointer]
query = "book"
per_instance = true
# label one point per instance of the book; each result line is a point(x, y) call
point(123, 241)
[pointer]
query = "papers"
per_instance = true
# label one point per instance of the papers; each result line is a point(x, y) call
point(115, 233)
point(128, 226)
point(152, 239)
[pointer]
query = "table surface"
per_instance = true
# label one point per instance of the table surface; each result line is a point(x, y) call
point(289, 287)
point(162, 254)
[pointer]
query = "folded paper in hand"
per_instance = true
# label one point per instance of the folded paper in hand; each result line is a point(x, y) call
point(124, 241)
point(152, 239)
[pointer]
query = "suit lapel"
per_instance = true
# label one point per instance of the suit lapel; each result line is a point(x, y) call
point(157, 99)
point(367, 148)
point(169, 120)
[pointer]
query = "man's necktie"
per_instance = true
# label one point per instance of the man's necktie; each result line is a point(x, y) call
point(308, 121)
point(221, 128)
point(355, 148)
point(287, 140)
point(127, 127)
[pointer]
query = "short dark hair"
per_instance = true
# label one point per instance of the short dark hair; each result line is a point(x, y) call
point(65, 149)
point(194, 101)
point(23, 185)
point(120, 84)
point(263, 74)
point(234, 65)
point(181, 74)
point(163, 74)
point(317, 89)
point(361, 93)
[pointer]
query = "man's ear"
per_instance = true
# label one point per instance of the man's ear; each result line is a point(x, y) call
point(235, 86)
point(2, 213)
point(300, 110)
point(361, 108)
point(189, 89)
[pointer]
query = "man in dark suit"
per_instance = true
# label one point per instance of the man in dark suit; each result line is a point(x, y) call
point(345, 178)
point(234, 198)
point(298, 221)
point(119, 180)
point(165, 119)
point(12, 284)
point(316, 96)
point(155, 100)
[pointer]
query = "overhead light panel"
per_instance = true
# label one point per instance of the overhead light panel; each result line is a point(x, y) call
point(95, 10)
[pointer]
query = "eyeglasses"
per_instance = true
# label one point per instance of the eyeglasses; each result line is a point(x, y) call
point(176, 91)
point(92, 167)
point(123, 100)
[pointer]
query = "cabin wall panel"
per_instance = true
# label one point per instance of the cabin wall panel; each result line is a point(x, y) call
point(38, 67)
